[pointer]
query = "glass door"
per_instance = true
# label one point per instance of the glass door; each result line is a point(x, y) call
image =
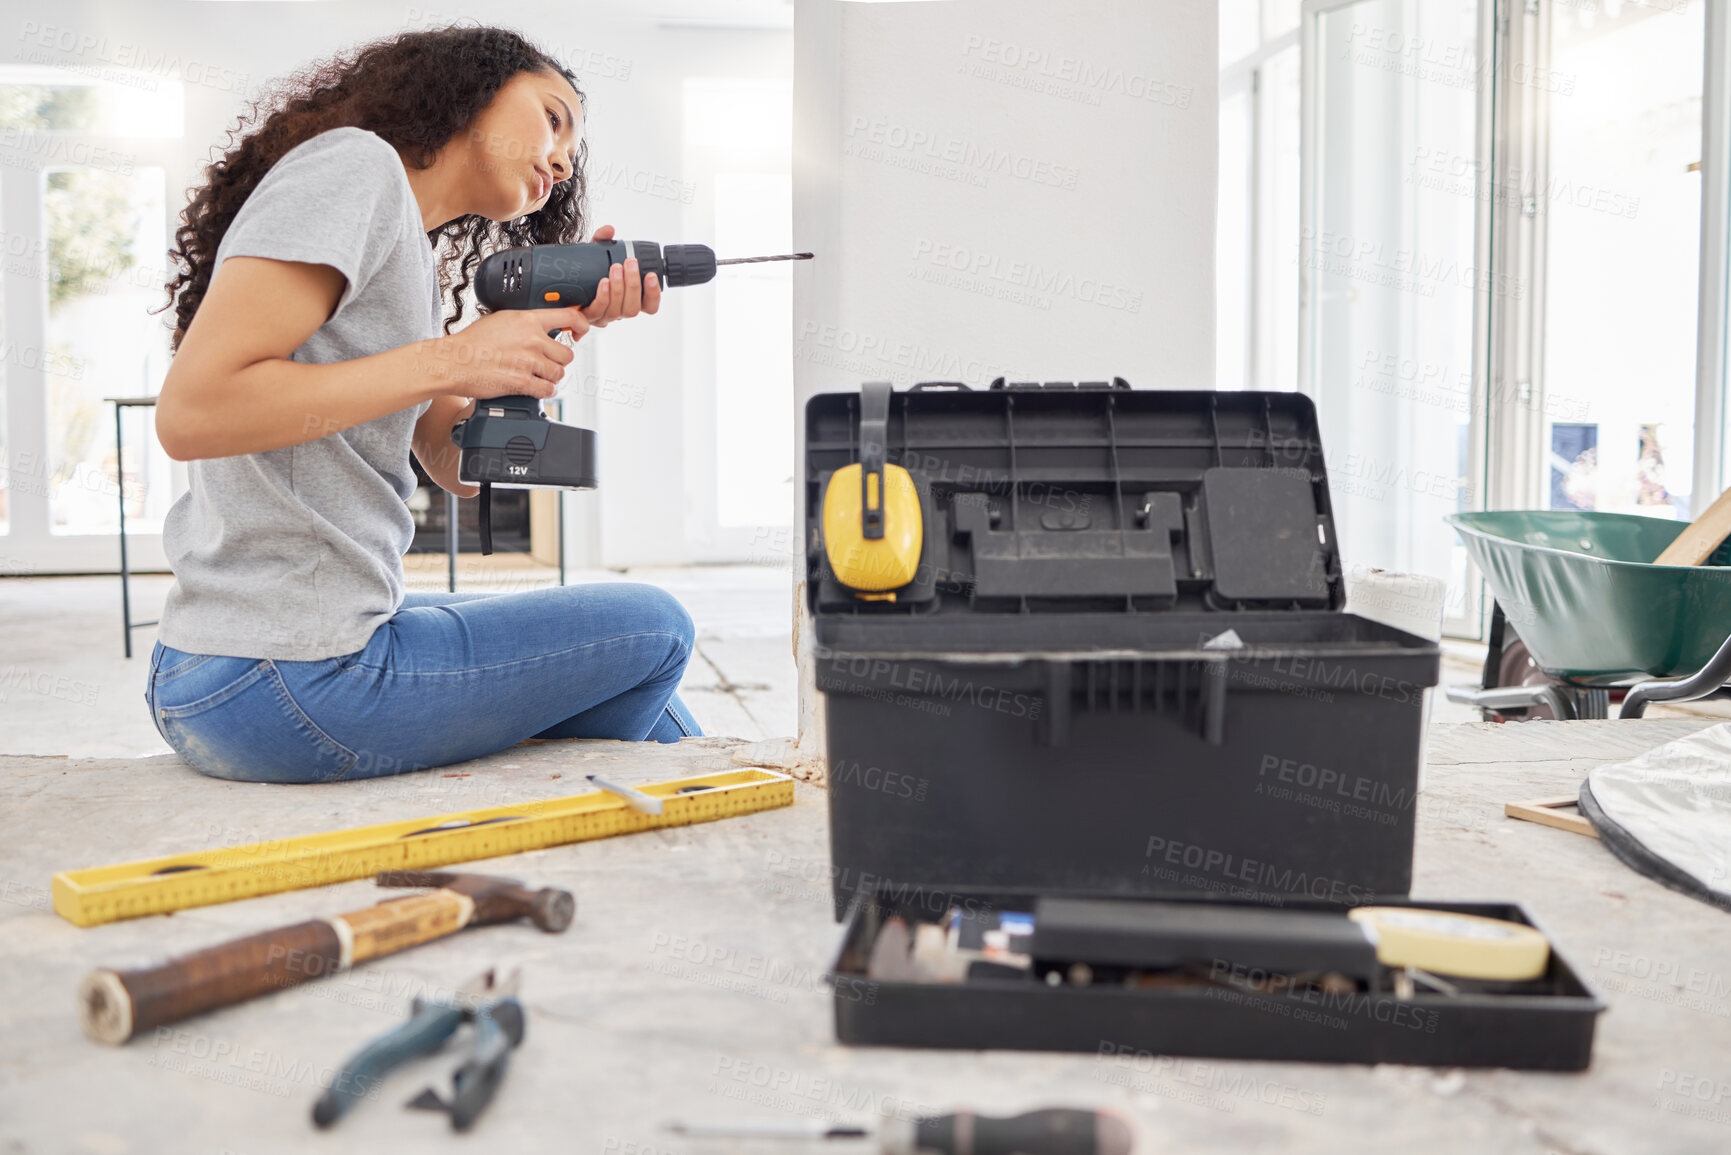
point(1390, 279)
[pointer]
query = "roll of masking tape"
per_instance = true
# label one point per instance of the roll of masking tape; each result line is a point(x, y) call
point(1463, 945)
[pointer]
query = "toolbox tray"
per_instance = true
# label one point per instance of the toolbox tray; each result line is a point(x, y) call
point(1052, 699)
point(1549, 1027)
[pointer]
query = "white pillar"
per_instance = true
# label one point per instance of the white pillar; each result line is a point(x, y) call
point(1000, 187)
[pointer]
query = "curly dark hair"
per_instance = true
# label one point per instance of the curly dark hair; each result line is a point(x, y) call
point(416, 90)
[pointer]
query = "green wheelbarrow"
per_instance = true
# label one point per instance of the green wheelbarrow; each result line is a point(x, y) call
point(1592, 613)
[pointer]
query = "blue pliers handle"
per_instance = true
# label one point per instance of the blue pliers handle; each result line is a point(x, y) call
point(498, 1030)
point(426, 1030)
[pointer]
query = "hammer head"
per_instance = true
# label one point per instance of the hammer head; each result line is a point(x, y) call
point(496, 899)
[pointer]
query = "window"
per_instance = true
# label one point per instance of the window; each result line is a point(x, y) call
point(85, 161)
point(1621, 202)
point(1256, 281)
point(739, 141)
point(753, 360)
point(105, 231)
point(1390, 277)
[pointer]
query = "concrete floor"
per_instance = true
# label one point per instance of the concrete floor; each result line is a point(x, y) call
point(66, 688)
point(690, 984)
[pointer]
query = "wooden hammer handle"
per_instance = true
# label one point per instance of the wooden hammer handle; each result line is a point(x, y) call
point(116, 1005)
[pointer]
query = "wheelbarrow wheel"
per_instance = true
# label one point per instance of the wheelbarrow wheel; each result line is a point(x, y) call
point(1517, 668)
point(1512, 687)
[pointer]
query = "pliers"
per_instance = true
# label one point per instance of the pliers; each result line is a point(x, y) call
point(498, 1020)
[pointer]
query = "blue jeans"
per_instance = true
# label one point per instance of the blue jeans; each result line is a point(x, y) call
point(447, 678)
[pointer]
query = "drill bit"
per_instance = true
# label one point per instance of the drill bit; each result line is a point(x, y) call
point(755, 260)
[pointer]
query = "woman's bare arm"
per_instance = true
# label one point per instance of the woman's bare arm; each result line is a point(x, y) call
point(231, 388)
point(434, 449)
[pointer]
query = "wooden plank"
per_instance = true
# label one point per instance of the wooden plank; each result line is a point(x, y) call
point(1547, 812)
point(1702, 536)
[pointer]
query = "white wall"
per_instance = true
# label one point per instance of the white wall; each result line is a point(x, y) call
point(631, 58)
point(1088, 254)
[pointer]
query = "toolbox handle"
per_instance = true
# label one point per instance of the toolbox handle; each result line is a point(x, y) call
point(1000, 383)
point(874, 433)
point(1063, 680)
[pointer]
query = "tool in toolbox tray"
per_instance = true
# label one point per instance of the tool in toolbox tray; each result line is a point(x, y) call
point(1052, 1131)
point(1427, 982)
point(117, 1005)
point(1089, 942)
point(102, 894)
point(498, 1018)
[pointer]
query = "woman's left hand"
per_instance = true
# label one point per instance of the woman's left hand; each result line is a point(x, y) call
point(625, 292)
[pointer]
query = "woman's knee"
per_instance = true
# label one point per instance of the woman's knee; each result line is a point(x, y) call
point(653, 609)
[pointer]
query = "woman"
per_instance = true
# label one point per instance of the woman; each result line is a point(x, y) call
point(309, 361)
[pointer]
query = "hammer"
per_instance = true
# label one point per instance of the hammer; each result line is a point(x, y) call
point(116, 1005)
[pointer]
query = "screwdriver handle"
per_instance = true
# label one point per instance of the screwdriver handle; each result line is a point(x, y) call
point(1052, 1131)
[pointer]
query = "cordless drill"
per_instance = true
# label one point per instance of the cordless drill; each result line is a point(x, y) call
point(508, 441)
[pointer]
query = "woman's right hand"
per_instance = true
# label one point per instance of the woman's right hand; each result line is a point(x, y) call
point(508, 352)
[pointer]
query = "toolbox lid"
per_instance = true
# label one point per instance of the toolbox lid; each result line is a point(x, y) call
point(1076, 497)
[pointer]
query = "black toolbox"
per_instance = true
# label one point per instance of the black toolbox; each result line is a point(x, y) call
point(1121, 672)
point(1122, 664)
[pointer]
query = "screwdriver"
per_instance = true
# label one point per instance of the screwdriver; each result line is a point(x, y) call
point(554, 276)
point(1051, 1131)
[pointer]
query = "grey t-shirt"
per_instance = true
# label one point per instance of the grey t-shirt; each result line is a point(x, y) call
point(297, 553)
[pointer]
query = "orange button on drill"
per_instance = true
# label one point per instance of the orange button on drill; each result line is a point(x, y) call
point(550, 295)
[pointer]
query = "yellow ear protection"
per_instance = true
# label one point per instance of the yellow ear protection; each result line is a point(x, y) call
point(872, 526)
